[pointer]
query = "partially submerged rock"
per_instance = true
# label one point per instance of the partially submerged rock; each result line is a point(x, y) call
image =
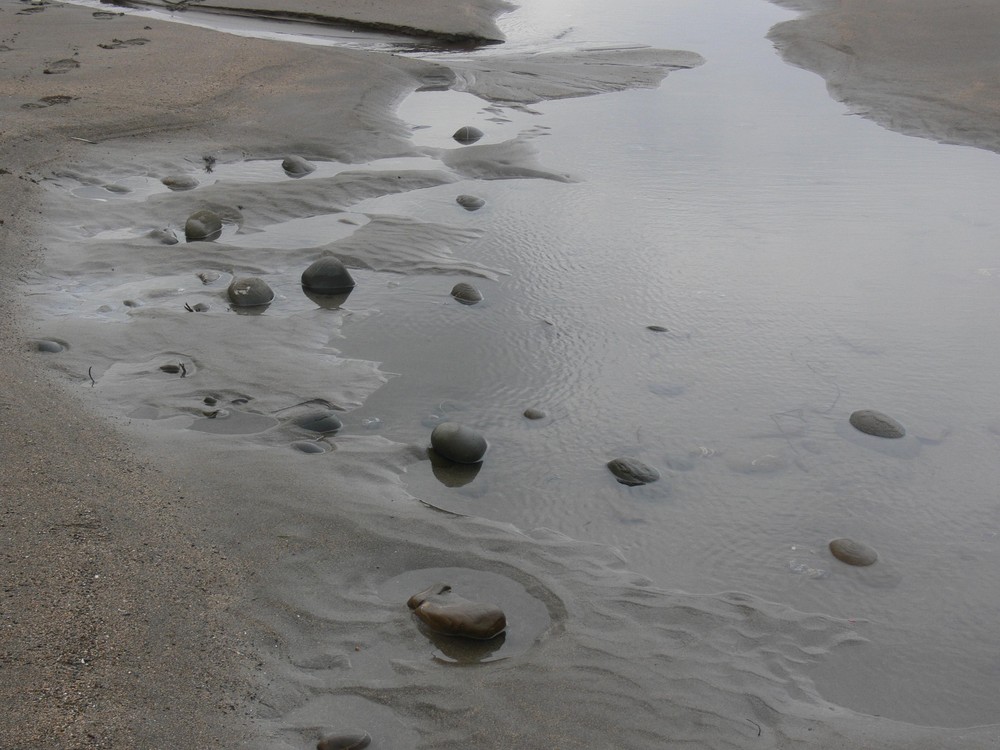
point(447, 613)
point(466, 293)
point(470, 202)
point(853, 553)
point(532, 413)
point(327, 276)
point(632, 471)
point(349, 741)
point(458, 443)
point(468, 134)
point(321, 420)
point(180, 182)
point(163, 236)
point(296, 166)
point(876, 423)
point(250, 291)
point(203, 226)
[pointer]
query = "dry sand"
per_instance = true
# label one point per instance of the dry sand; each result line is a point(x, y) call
point(928, 68)
point(117, 612)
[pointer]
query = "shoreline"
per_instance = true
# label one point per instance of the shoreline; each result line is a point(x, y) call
point(142, 500)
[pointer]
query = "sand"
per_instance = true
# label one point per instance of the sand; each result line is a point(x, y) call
point(121, 611)
point(924, 68)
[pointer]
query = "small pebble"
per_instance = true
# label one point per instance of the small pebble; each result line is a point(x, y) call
point(467, 134)
point(876, 423)
point(852, 552)
point(466, 293)
point(470, 202)
point(350, 741)
point(458, 443)
point(632, 472)
point(533, 413)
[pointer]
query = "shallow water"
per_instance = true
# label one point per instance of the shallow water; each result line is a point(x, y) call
point(805, 264)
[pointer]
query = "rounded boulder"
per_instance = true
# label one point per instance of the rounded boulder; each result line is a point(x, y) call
point(458, 443)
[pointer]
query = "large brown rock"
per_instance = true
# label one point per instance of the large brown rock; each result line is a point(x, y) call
point(445, 612)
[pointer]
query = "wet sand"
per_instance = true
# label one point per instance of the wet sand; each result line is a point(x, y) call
point(922, 68)
point(95, 529)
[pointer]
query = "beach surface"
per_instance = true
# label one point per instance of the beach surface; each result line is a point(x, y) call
point(148, 601)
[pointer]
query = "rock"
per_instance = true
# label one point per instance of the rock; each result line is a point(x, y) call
point(163, 236)
point(470, 202)
point(296, 166)
point(852, 552)
point(632, 472)
point(47, 346)
point(467, 134)
point(450, 614)
point(322, 420)
point(876, 423)
point(458, 443)
point(250, 292)
point(180, 182)
point(307, 446)
point(327, 276)
point(466, 293)
point(209, 277)
point(349, 741)
point(114, 187)
point(203, 226)
point(657, 329)
point(533, 413)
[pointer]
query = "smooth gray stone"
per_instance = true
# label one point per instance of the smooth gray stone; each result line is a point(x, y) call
point(447, 613)
point(296, 166)
point(203, 226)
point(470, 202)
point(852, 552)
point(632, 471)
point(468, 134)
point(180, 182)
point(533, 413)
point(458, 443)
point(657, 329)
point(249, 292)
point(876, 423)
point(327, 276)
point(349, 741)
point(466, 293)
point(47, 346)
point(319, 421)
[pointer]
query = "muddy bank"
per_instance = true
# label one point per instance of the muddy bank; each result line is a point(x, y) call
point(922, 68)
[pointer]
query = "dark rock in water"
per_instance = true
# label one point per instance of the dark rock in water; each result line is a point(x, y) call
point(327, 276)
point(470, 202)
point(180, 182)
point(203, 226)
point(852, 552)
point(249, 292)
point(350, 741)
point(319, 421)
point(533, 413)
point(657, 329)
point(47, 346)
point(632, 471)
point(468, 134)
point(163, 236)
point(296, 166)
point(447, 613)
point(458, 443)
point(876, 423)
point(466, 293)
point(307, 446)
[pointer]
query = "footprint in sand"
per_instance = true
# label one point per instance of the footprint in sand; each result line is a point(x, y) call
point(62, 66)
point(48, 101)
point(120, 43)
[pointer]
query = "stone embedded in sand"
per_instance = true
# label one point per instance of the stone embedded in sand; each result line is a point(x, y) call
point(447, 613)
point(533, 413)
point(114, 187)
point(467, 134)
point(203, 225)
point(657, 329)
point(307, 446)
point(852, 552)
point(876, 423)
point(296, 166)
point(322, 420)
point(458, 443)
point(180, 182)
point(47, 346)
point(632, 471)
point(209, 277)
point(163, 236)
point(349, 741)
point(466, 293)
point(327, 276)
point(250, 292)
point(470, 202)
